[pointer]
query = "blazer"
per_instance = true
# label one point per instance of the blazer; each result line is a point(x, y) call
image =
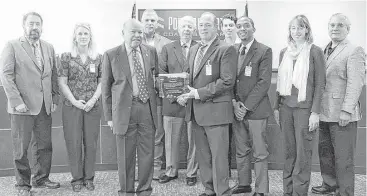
point(252, 90)
point(315, 81)
point(345, 75)
point(215, 90)
point(117, 91)
point(24, 82)
point(173, 61)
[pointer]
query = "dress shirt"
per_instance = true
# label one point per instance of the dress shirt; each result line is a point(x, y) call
point(131, 63)
point(188, 44)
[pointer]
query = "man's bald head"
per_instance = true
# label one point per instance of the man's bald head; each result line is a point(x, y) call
point(132, 33)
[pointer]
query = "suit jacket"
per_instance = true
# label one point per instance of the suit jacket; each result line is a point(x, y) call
point(315, 81)
point(117, 91)
point(345, 75)
point(253, 90)
point(24, 82)
point(173, 61)
point(215, 91)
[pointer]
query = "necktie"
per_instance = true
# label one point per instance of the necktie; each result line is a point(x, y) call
point(242, 50)
point(199, 57)
point(184, 50)
point(143, 91)
point(241, 58)
point(37, 53)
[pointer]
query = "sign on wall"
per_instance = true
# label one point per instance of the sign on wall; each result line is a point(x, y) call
point(168, 20)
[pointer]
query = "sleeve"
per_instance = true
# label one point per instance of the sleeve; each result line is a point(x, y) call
point(7, 62)
point(163, 67)
point(99, 60)
point(107, 81)
point(263, 84)
point(319, 79)
point(54, 80)
point(227, 76)
point(63, 70)
point(355, 79)
point(277, 96)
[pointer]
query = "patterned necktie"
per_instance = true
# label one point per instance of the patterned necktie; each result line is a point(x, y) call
point(184, 50)
point(242, 50)
point(199, 57)
point(37, 53)
point(140, 78)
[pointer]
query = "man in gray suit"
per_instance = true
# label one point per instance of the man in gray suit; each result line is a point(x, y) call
point(252, 108)
point(340, 109)
point(149, 19)
point(174, 60)
point(129, 104)
point(29, 78)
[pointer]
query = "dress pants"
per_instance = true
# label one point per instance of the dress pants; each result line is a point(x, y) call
point(173, 127)
point(212, 154)
point(139, 139)
point(158, 143)
point(22, 127)
point(250, 136)
point(298, 141)
point(336, 151)
point(81, 132)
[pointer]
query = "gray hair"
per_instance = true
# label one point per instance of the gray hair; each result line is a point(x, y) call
point(189, 19)
point(32, 14)
point(344, 17)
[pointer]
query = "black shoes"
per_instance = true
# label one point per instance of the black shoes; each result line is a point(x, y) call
point(46, 184)
point(191, 181)
point(89, 185)
point(76, 187)
point(323, 189)
point(204, 194)
point(258, 194)
point(242, 189)
point(165, 178)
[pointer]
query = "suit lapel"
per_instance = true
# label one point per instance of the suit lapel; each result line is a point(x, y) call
point(123, 60)
point(45, 57)
point(248, 57)
point(208, 53)
point(186, 65)
point(337, 50)
point(145, 55)
point(192, 60)
point(179, 54)
point(27, 47)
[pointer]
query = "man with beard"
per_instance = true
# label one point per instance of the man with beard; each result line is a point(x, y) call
point(29, 77)
point(174, 60)
point(149, 19)
point(209, 106)
point(129, 104)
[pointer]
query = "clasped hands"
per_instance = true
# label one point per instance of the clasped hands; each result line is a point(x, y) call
point(86, 106)
point(239, 110)
point(182, 99)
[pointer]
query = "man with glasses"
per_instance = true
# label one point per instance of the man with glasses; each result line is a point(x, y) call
point(340, 109)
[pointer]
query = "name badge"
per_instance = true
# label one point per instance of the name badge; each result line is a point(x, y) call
point(92, 68)
point(248, 70)
point(208, 68)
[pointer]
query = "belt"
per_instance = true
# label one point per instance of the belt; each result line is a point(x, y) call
point(136, 98)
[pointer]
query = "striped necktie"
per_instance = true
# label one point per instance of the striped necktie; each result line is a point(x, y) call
point(37, 53)
point(140, 77)
point(199, 57)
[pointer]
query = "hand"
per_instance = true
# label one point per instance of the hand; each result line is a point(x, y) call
point(89, 105)
point(53, 107)
point(239, 110)
point(313, 122)
point(182, 99)
point(110, 124)
point(79, 104)
point(21, 108)
point(276, 116)
point(344, 118)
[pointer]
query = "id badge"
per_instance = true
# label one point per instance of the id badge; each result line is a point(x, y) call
point(92, 68)
point(208, 69)
point(248, 70)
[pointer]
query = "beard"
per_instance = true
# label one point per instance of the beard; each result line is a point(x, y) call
point(34, 35)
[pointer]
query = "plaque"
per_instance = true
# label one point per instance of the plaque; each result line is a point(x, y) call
point(173, 85)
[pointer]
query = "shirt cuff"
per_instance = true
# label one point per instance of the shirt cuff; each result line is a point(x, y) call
point(196, 94)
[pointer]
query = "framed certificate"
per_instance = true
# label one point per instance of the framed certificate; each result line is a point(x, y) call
point(173, 85)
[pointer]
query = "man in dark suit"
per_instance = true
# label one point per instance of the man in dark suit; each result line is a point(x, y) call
point(29, 78)
point(209, 107)
point(251, 108)
point(340, 109)
point(173, 60)
point(129, 103)
point(149, 19)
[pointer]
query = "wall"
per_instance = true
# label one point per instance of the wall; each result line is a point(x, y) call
point(107, 16)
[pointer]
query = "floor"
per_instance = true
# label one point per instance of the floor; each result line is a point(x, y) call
point(106, 183)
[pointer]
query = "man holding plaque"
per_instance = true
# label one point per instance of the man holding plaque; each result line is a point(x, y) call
point(213, 68)
point(173, 60)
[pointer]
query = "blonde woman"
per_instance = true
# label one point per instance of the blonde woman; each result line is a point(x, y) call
point(79, 81)
point(301, 80)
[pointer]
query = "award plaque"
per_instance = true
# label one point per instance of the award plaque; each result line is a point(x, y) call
point(173, 85)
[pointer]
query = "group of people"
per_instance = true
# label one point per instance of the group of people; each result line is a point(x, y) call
point(317, 90)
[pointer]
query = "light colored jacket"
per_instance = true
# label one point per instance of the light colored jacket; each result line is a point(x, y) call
point(345, 75)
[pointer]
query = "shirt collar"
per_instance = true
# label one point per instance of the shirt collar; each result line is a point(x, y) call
point(249, 44)
point(187, 44)
point(31, 43)
point(129, 49)
point(208, 43)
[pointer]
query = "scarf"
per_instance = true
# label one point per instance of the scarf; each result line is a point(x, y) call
point(297, 76)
